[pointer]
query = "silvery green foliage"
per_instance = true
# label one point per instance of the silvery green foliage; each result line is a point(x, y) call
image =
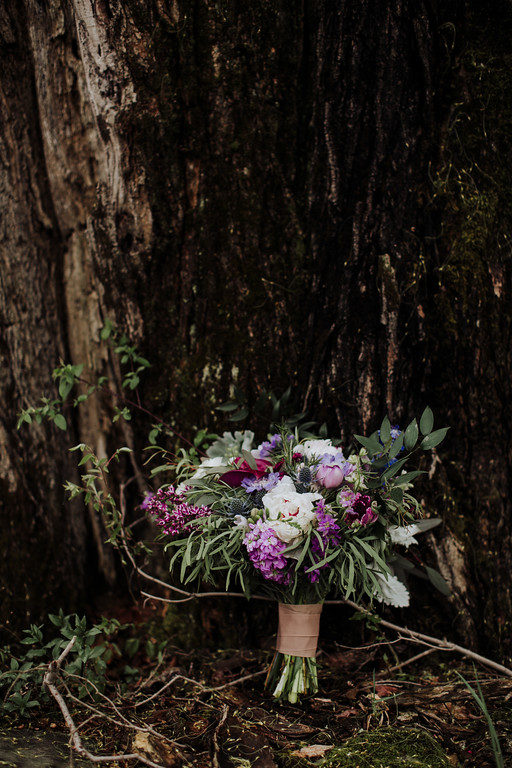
point(228, 446)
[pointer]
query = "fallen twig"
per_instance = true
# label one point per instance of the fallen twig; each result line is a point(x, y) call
point(49, 680)
point(216, 750)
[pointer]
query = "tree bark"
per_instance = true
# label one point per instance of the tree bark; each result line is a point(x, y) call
point(254, 193)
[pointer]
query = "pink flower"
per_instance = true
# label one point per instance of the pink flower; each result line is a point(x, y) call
point(332, 471)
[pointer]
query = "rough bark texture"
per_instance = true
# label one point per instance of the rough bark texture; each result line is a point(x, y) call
point(259, 194)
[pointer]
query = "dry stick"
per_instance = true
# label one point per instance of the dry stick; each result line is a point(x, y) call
point(445, 645)
point(442, 644)
point(222, 720)
point(49, 681)
point(409, 661)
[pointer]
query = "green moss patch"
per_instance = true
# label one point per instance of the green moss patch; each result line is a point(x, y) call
point(382, 748)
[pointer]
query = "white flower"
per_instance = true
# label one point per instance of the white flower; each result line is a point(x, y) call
point(403, 534)
point(216, 461)
point(393, 591)
point(285, 506)
point(312, 448)
point(239, 521)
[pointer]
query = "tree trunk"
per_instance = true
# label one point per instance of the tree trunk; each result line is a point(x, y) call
point(257, 194)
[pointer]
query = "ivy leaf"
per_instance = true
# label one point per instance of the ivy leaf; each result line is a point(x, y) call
point(411, 435)
point(426, 421)
point(430, 441)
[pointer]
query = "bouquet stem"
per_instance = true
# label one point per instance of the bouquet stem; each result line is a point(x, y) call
point(293, 671)
point(290, 677)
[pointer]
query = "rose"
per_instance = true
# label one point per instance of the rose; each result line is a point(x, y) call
point(312, 448)
point(291, 511)
point(234, 477)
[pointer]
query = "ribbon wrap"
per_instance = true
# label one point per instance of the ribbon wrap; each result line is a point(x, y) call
point(298, 629)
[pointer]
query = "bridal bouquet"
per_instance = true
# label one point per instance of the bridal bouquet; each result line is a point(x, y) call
point(297, 518)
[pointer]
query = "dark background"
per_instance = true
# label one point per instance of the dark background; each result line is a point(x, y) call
point(263, 193)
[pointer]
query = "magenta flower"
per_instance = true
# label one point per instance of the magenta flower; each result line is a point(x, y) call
point(360, 511)
point(171, 512)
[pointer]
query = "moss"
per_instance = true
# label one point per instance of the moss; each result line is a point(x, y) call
point(382, 748)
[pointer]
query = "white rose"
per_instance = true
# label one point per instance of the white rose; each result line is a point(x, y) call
point(291, 511)
point(312, 448)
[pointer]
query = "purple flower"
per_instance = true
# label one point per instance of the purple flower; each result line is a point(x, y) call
point(265, 552)
point(170, 510)
point(266, 448)
point(329, 531)
point(360, 511)
point(265, 483)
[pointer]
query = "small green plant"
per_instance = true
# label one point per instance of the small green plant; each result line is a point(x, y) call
point(22, 669)
point(480, 700)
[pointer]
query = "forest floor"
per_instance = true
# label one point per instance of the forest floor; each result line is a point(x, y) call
point(210, 709)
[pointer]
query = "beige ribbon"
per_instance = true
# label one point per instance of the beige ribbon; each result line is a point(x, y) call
point(298, 629)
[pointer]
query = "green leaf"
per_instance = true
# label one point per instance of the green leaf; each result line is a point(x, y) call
point(437, 580)
point(411, 435)
point(393, 469)
point(430, 441)
point(249, 459)
point(385, 430)
point(426, 421)
point(427, 523)
point(65, 387)
point(60, 421)
point(239, 415)
point(371, 444)
point(227, 407)
point(397, 495)
point(408, 476)
point(396, 446)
